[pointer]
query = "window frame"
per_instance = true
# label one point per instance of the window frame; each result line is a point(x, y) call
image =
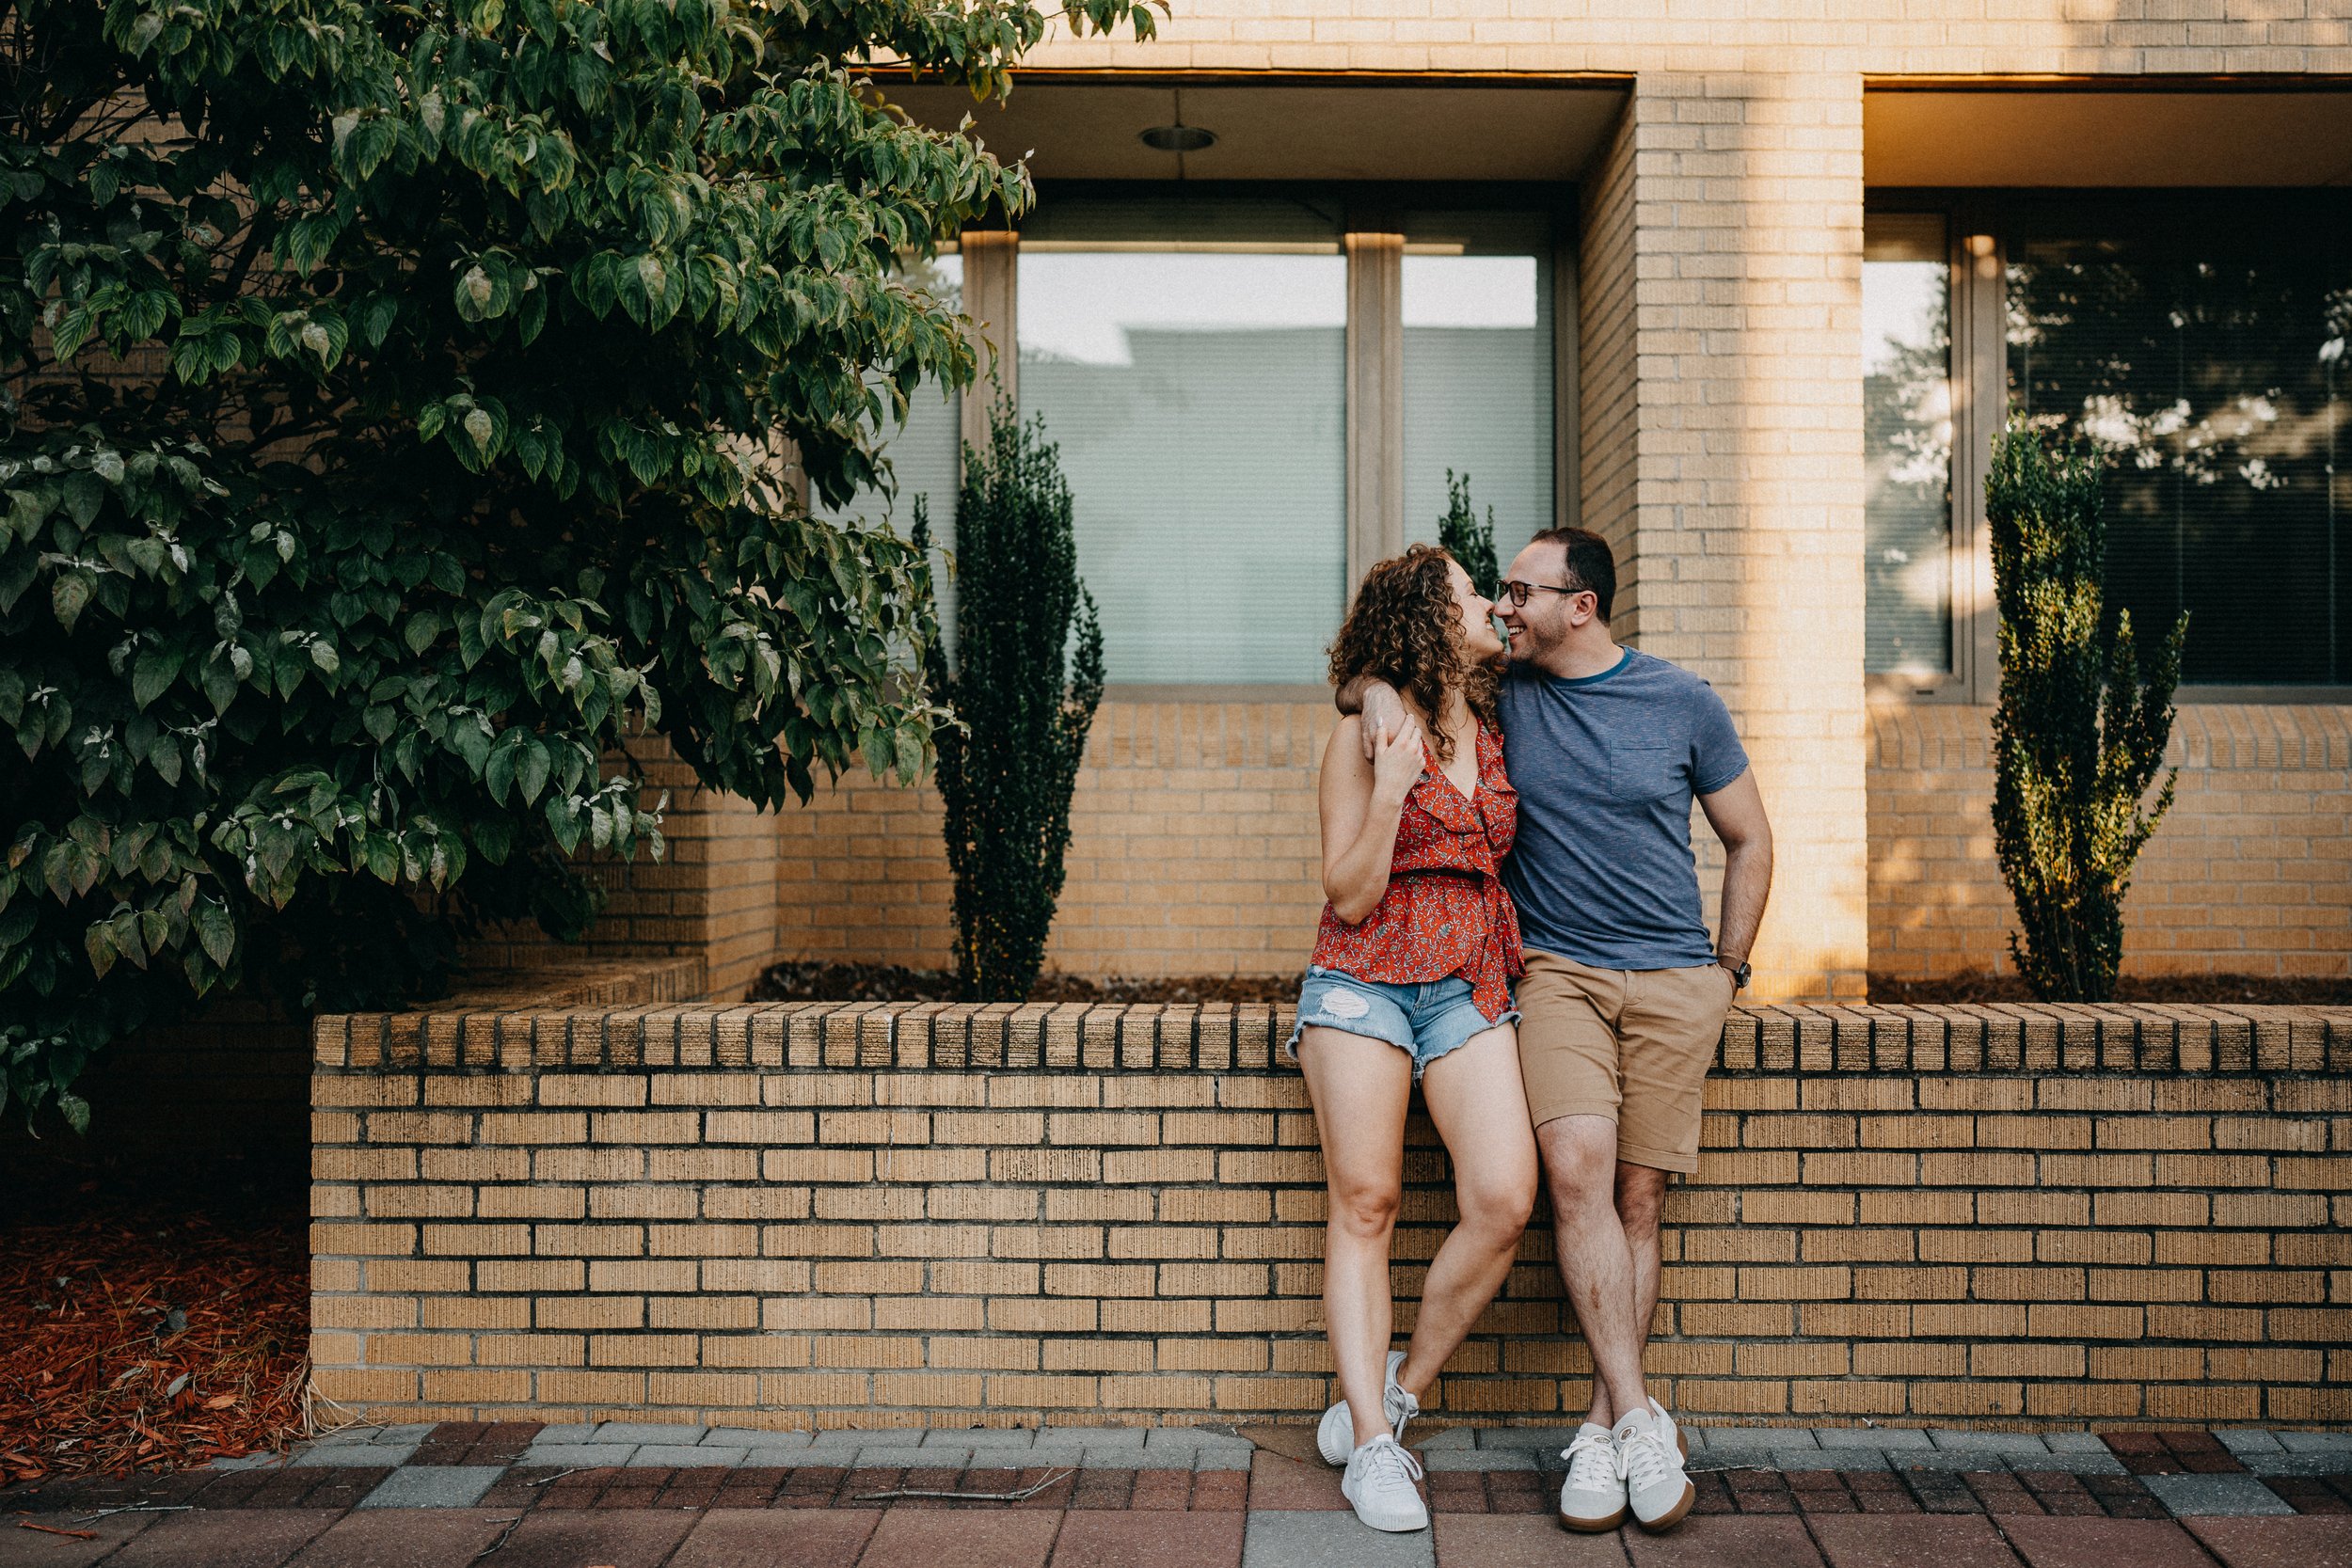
point(1979, 259)
point(1373, 413)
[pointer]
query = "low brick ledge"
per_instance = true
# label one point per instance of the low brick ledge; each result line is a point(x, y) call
point(511, 1034)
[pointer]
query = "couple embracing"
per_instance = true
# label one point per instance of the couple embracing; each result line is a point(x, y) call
point(1514, 924)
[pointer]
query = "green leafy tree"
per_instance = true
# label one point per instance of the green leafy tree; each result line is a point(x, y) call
point(1468, 541)
point(393, 406)
point(1028, 677)
point(2078, 735)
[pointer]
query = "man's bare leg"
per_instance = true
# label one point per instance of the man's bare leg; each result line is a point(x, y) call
point(1640, 1196)
point(1597, 1263)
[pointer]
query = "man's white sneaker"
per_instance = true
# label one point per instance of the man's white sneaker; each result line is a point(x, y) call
point(1656, 1488)
point(1673, 1434)
point(1336, 1435)
point(1379, 1486)
point(1592, 1500)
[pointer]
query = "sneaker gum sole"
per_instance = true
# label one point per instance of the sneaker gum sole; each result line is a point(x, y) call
point(1674, 1516)
point(1596, 1527)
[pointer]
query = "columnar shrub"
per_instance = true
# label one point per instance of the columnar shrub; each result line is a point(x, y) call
point(1467, 540)
point(1027, 676)
point(393, 402)
point(2078, 735)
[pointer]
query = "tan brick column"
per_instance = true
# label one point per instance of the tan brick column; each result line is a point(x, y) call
point(1723, 455)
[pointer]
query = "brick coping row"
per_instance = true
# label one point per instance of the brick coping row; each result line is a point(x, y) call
point(1246, 1037)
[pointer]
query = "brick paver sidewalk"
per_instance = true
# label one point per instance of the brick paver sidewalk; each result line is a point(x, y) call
point(624, 1495)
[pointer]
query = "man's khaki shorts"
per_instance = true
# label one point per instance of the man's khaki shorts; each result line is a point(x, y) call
point(1630, 1044)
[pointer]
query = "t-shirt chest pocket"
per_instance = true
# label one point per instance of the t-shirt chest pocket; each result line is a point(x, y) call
point(1643, 769)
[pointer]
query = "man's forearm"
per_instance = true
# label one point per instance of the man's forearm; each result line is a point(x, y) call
point(1747, 884)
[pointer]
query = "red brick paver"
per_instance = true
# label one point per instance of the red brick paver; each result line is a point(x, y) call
point(574, 1539)
point(1278, 1483)
point(1881, 1541)
point(1519, 1541)
point(231, 1539)
point(911, 1538)
point(1149, 1540)
point(2105, 1543)
point(1724, 1542)
point(739, 1538)
point(402, 1537)
point(2276, 1543)
point(30, 1548)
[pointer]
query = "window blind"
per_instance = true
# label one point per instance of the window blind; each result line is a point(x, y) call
point(1478, 388)
point(1199, 401)
point(1907, 445)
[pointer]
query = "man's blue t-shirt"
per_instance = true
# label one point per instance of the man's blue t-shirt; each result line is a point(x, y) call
point(1605, 768)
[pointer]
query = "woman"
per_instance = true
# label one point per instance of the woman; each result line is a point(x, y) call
point(1410, 980)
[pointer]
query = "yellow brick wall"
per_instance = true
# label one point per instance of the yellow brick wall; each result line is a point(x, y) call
point(2250, 872)
point(881, 1216)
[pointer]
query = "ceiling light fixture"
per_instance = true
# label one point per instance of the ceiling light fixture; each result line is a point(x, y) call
point(1177, 138)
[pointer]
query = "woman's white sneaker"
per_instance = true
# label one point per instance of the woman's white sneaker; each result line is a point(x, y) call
point(1379, 1486)
point(1656, 1489)
point(1593, 1499)
point(1336, 1435)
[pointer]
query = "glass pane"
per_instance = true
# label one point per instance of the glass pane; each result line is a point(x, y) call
point(1478, 386)
point(1907, 445)
point(1199, 401)
point(2199, 345)
point(924, 453)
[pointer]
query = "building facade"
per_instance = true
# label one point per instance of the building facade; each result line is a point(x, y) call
point(1746, 288)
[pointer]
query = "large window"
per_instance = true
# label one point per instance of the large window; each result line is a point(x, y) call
point(1188, 350)
point(1478, 371)
point(2200, 345)
point(1193, 373)
point(1907, 444)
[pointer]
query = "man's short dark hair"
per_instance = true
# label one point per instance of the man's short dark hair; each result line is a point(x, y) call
point(1592, 566)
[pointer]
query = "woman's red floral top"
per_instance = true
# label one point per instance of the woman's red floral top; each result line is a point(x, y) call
point(1445, 912)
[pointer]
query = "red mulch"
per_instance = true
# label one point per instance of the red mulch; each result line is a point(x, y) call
point(133, 1339)
point(823, 982)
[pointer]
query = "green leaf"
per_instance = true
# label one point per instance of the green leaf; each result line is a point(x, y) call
point(215, 929)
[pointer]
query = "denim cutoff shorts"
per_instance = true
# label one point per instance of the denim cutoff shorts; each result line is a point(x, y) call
point(1423, 1019)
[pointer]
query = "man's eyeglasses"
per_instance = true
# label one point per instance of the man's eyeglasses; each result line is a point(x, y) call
point(1518, 592)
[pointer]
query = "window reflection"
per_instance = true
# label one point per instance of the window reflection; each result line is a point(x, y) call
point(2200, 346)
point(1907, 425)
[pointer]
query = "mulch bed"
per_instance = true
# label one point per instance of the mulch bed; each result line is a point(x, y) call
point(828, 982)
point(824, 982)
point(1976, 985)
point(138, 1333)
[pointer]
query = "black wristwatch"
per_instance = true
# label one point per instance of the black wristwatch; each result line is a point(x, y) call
point(1738, 973)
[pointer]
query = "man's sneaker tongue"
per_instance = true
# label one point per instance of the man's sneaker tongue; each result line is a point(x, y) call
point(1635, 1423)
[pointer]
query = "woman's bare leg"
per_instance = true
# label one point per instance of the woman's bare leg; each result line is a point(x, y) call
point(1360, 1087)
point(1479, 1105)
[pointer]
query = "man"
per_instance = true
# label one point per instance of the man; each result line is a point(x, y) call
point(1624, 998)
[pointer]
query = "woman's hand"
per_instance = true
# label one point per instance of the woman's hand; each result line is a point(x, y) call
point(1397, 760)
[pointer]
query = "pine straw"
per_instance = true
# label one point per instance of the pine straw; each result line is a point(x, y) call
point(97, 1377)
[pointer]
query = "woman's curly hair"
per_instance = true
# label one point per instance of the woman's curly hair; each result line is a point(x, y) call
point(1405, 629)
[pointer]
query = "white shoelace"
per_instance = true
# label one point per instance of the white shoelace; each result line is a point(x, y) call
point(1400, 1407)
point(1593, 1462)
point(1642, 1458)
point(1385, 1461)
